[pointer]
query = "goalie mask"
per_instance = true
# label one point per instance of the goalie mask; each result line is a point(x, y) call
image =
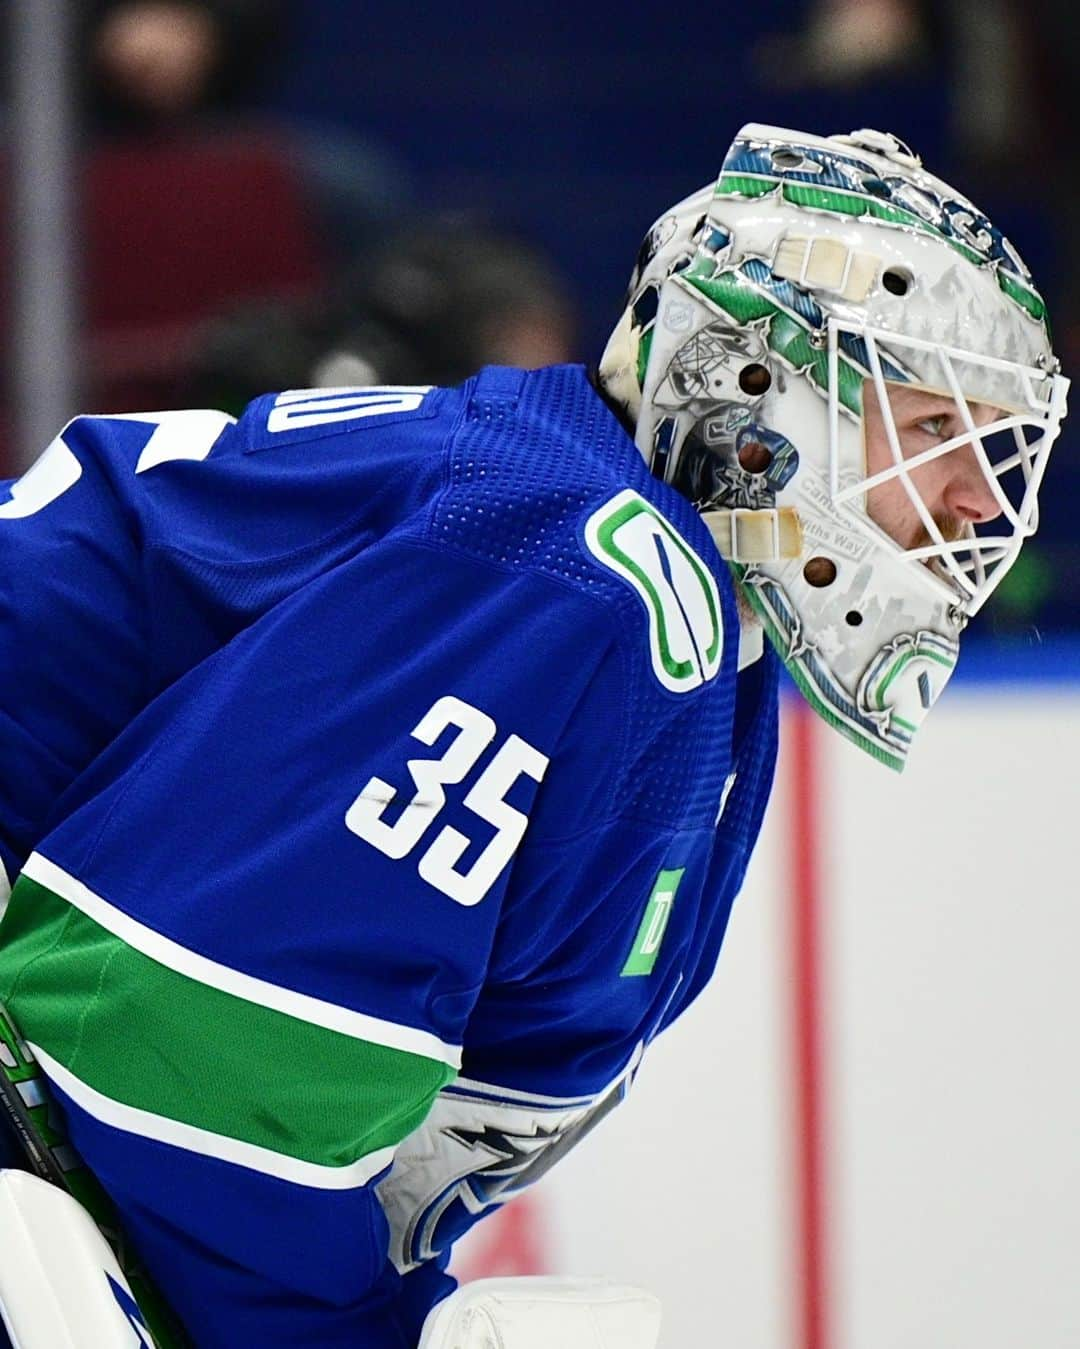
point(847, 368)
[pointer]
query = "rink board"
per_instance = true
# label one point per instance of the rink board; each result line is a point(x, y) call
point(946, 1198)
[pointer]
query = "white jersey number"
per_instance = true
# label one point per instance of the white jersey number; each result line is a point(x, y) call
point(50, 477)
point(186, 434)
point(319, 407)
point(486, 799)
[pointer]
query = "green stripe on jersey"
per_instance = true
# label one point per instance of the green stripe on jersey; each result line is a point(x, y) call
point(159, 1041)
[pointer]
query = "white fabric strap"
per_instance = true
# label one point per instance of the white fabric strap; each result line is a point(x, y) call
point(755, 535)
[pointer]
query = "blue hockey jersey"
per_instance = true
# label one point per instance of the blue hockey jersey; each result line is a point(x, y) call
point(377, 780)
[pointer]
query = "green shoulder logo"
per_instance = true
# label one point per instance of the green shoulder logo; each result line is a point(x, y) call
point(679, 592)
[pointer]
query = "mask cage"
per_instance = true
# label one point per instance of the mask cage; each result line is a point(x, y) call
point(1011, 452)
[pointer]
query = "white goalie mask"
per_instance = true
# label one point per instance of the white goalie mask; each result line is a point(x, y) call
point(847, 368)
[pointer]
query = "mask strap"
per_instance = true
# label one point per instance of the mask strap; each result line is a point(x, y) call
point(765, 535)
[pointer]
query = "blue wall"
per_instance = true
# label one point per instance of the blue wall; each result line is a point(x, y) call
point(578, 136)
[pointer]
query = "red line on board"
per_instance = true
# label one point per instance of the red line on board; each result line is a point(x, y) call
point(806, 787)
point(510, 1241)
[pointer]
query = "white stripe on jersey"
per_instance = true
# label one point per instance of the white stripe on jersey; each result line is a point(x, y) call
point(129, 1119)
point(301, 1006)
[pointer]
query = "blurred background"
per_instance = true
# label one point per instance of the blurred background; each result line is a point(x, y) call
point(208, 199)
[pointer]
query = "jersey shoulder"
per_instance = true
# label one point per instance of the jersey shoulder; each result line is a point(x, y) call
point(396, 413)
point(526, 469)
point(534, 449)
point(315, 472)
point(543, 477)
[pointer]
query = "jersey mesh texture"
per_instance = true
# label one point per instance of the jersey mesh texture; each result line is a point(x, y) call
point(536, 454)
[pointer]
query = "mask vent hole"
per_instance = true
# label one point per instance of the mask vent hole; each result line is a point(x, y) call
point(853, 618)
point(874, 185)
point(896, 281)
point(819, 572)
point(754, 457)
point(754, 379)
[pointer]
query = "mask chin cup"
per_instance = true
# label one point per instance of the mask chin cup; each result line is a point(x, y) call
point(903, 682)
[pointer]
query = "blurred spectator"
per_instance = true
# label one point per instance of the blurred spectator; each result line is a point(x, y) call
point(431, 304)
point(474, 291)
point(844, 42)
point(190, 198)
point(181, 67)
point(974, 47)
point(153, 63)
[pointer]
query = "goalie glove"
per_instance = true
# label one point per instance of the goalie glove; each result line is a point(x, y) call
point(536, 1313)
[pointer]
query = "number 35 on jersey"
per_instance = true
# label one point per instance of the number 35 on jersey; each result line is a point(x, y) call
point(438, 863)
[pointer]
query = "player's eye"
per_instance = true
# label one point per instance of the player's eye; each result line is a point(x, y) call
point(935, 426)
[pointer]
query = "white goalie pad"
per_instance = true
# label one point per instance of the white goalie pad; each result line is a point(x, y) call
point(537, 1313)
point(60, 1284)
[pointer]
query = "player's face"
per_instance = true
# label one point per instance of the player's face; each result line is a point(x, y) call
point(952, 486)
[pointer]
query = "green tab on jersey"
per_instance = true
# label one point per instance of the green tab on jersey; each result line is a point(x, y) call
point(653, 924)
point(245, 1071)
point(680, 595)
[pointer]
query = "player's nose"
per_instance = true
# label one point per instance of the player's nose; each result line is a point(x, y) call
point(968, 494)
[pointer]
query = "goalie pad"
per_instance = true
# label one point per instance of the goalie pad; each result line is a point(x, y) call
point(60, 1284)
point(536, 1313)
